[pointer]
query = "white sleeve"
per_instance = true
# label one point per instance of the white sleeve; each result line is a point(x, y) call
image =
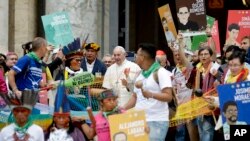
point(40, 134)
point(164, 77)
point(106, 81)
point(1, 137)
point(41, 137)
point(216, 101)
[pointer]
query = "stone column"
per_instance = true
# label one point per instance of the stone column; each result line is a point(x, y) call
point(85, 17)
point(22, 23)
point(4, 25)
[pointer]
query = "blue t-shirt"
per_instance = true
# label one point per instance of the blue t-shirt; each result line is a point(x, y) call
point(29, 73)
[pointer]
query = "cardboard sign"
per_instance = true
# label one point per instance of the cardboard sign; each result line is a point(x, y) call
point(82, 79)
point(167, 23)
point(57, 29)
point(198, 39)
point(216, 37)
point(238, 26)
point(234, 104)
point(129, 126)
point(191, 15)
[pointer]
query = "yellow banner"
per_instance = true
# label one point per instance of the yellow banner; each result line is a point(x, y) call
point(129, 126)
point(192, 109)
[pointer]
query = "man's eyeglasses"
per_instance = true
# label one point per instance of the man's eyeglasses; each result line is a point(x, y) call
point(107, 61)
point(138, 54)
point(234, 65)
point(183, 13)
point(232, 111)
point(204, 54)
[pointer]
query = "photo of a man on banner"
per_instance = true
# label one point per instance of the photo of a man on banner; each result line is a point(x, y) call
point(167, 23)
point(233, 100)
point(191, 15)
point(238, 26)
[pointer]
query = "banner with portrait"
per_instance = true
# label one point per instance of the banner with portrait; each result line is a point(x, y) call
point(198, 39)
point(234, 100)
point(167, 23)
point(238, 26)
point(213, 26)
point(129, 126)
point(191, 16)
point(57, 29)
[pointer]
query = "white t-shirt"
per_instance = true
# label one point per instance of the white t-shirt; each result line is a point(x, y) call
point(90, 66)
point(155, 110)
point(35, 132)
point(113, 76)
point(183, 94)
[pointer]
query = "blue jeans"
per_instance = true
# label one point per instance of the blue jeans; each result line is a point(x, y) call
point(158, 130)
point(180, 133)
point(206, 128)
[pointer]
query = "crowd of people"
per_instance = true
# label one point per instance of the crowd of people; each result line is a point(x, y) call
point(149, 83)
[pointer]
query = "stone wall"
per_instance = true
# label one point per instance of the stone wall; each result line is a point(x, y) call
point(4, 18)
point(19, 21)
point(85, 17)
point(22, 24)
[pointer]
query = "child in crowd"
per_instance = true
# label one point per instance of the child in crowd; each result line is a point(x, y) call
point(100, 124)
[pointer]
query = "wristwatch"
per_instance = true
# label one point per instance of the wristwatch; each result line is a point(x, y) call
point(83, 122)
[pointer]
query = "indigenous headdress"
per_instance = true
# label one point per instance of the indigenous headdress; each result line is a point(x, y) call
point(106, 94)
point(62, 106)
point(72, 50)
point(27, 100)
point(94, 46)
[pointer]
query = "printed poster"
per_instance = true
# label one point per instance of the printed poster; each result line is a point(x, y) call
point(191, 15)
point(129, 126)
point(238, 26)
point(79, 80)
point(196, 40)
point(167, 23)
point(234, 100)
point(216, 37)
point(201, 38)
point(57, 29)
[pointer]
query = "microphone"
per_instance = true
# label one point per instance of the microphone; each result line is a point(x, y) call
point(198, 93)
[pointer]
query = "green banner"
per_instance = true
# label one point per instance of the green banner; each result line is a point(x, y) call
point(57, 29)
point(82, 79)
point(210, 20)
point(202, 38)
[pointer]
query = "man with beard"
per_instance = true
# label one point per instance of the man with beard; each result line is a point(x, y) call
point(230, 111)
